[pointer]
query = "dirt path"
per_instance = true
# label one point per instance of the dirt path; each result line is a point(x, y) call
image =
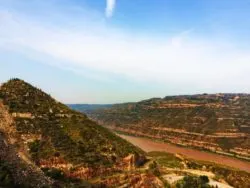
point(149, 145)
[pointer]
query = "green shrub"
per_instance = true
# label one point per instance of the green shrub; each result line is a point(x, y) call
point(34, 146)
point(193, 182)
point(6, 179)
point(54, 173)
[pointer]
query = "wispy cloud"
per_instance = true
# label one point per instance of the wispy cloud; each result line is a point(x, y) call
point(110, 6)
point(180, 60)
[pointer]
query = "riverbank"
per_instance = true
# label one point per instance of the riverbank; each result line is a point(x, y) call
point(148, 145)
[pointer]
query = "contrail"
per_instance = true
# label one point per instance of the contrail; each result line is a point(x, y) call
point(110, 6)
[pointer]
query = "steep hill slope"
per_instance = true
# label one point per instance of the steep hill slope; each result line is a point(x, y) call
point(219, 122)
point(42, 133)
point(15, 170)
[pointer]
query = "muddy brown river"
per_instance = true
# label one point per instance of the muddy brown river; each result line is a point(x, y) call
point(149, 145)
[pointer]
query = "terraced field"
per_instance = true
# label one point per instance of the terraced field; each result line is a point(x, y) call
point(218, 123)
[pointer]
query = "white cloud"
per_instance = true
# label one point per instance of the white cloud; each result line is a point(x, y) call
point(110, 6)
point(181, 60)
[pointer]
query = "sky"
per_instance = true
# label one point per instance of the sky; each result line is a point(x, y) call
point(113, 51)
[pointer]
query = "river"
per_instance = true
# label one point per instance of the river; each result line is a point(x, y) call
point(150, 145)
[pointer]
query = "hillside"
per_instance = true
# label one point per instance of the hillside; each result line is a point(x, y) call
point(214, 122)
point(51, 140)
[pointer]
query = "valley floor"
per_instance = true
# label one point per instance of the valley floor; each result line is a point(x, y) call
point(149, 145)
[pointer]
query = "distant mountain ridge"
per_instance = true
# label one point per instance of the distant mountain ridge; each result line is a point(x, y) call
point(214, 122)
point(85, 108)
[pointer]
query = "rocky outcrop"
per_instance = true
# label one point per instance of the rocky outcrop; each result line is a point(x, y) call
point(22, 115)
point(135, 180)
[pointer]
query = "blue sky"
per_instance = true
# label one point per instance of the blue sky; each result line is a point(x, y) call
point(97, 51)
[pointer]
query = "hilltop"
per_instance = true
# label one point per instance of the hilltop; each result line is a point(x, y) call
point(58, 144)
point(214, 122)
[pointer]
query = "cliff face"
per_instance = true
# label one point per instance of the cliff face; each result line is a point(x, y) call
point(219, 122)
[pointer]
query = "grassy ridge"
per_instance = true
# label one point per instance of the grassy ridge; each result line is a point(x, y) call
point(63, 131)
